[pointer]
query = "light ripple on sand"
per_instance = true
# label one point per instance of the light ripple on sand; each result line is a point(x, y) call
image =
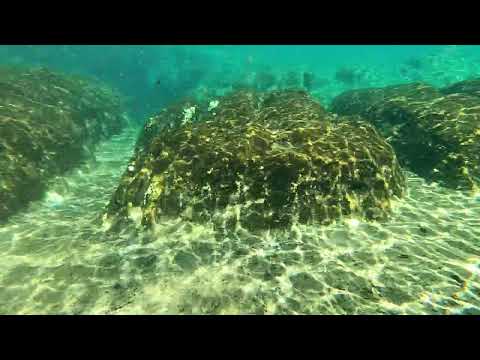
point(56, 259)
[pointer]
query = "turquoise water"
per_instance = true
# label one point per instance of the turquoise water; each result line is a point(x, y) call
point(56, 259)
point(135, 70)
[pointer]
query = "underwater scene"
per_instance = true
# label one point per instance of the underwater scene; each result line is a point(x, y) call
point(252, 179)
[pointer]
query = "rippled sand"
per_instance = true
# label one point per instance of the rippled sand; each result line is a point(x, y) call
point(56, 258)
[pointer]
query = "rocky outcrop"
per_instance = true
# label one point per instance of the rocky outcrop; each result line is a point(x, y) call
point(49, 122)
point(468, 87)
point(256, 160)
point(435, 134)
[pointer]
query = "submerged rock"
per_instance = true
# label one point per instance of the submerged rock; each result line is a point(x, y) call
point(435, 135)
point(468, 87)
point(260, 160)
point(48, 123)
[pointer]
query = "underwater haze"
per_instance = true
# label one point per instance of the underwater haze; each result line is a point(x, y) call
point(136, 70)
point(253, 179)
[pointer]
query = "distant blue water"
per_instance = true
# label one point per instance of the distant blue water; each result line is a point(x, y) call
point(151, 76)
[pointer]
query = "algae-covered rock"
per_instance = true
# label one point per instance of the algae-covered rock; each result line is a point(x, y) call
point(468, 87)
point(435, 135)
point(354, 102)
point(48, 122)
point(257, 160)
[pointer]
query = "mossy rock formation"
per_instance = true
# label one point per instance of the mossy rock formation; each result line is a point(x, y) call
point(468, 87)
point(436, 134)
point(257, 160)
point(48, 123)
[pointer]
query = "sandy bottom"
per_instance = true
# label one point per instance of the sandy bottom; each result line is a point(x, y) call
point(56, 259)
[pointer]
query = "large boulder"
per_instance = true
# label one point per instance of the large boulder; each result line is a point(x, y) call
point(48, 123)
point(435, 134)
point(359, 102)
point(257, 161)
point(468, 87)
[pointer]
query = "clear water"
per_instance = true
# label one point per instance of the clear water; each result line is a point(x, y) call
point(56, 259)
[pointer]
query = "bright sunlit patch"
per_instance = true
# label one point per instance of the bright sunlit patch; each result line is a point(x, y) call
point(135, 214)
point(476, 195)
point(473, 268)
point(442, 212)
point(353, 223)
point(212, 105)
point(54, 199)
point(106, 223)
